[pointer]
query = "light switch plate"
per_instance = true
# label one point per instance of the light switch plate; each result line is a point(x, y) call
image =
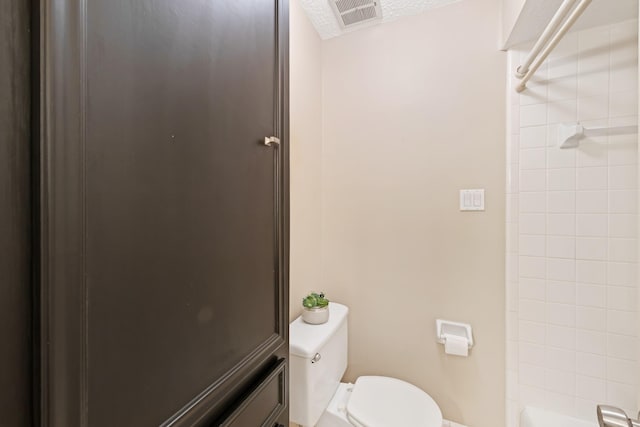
point(472, 200)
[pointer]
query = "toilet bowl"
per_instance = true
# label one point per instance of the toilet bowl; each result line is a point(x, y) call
point(318, 362)
point(380, 402)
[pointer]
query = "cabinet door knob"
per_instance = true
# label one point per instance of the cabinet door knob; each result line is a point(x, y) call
point(270, 141)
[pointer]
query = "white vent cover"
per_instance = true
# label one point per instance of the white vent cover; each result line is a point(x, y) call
point(352, 12)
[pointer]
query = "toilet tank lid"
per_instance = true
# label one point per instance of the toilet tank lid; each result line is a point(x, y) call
point(383, 401)
point(305, 340)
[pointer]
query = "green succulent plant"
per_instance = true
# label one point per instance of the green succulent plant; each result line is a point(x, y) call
point(314, 300)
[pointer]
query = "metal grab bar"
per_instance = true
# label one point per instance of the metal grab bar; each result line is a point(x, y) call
point(570, 134)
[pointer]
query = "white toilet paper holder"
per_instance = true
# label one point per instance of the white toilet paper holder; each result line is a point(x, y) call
point(447, 327)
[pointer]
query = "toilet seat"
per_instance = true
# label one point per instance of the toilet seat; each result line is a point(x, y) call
point(383, 402)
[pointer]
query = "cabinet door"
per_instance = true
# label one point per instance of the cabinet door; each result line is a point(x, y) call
point(164, 220)
point(15, 217)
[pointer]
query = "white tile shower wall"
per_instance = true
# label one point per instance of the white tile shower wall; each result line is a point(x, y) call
point(572, 229)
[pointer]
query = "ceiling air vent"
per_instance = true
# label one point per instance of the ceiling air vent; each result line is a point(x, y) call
point(352, 12)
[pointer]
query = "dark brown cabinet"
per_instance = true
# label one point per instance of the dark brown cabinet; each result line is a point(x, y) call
point(161, 249)
point(16, 347)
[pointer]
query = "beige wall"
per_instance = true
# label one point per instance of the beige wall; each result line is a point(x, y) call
point(510, 12)
point(387, 124)
point(414, 111)
point(306, 153)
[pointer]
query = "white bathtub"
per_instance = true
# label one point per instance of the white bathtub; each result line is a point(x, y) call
point(534, 417)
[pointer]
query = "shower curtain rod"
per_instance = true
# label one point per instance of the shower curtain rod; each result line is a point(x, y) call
point(550, 39)
point(551, 28)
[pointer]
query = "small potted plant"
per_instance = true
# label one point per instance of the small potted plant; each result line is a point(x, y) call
point(315, 308)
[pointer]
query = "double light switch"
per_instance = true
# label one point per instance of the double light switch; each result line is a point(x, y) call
point(472, 200)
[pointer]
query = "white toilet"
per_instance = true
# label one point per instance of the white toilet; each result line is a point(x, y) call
point(318, 398)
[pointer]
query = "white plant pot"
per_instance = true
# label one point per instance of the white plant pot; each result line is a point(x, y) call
point(315, 316)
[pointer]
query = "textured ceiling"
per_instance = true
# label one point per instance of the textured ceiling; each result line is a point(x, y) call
point(322, 17)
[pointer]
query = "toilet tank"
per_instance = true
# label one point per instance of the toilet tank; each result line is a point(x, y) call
point(318, 359)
